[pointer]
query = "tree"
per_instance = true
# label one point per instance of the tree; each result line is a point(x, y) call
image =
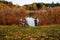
point(43, 6)
point(35, 6)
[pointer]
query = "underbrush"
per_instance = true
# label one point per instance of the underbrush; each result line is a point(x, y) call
point(15, 32)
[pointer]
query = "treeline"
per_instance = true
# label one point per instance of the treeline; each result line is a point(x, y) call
point(34, 6)
point(38, 6)
point(10, 14)
point(8, 4)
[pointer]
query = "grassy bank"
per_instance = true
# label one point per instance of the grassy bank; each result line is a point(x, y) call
point(15, 32)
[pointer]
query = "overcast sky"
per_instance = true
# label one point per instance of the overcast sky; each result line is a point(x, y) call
point(23, 2)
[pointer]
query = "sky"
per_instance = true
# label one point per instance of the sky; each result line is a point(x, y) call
point(24, 2)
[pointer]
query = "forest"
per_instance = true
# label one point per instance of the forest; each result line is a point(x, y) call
point(46, 13)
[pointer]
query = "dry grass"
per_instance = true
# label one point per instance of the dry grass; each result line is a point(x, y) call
point(14, 32)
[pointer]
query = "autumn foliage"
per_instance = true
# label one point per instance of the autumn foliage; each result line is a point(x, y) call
point(49, 16)
point(12, 14)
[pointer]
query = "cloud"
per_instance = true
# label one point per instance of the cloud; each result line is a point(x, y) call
point(23, 2)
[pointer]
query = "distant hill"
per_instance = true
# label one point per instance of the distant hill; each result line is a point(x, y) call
point(9, 4)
